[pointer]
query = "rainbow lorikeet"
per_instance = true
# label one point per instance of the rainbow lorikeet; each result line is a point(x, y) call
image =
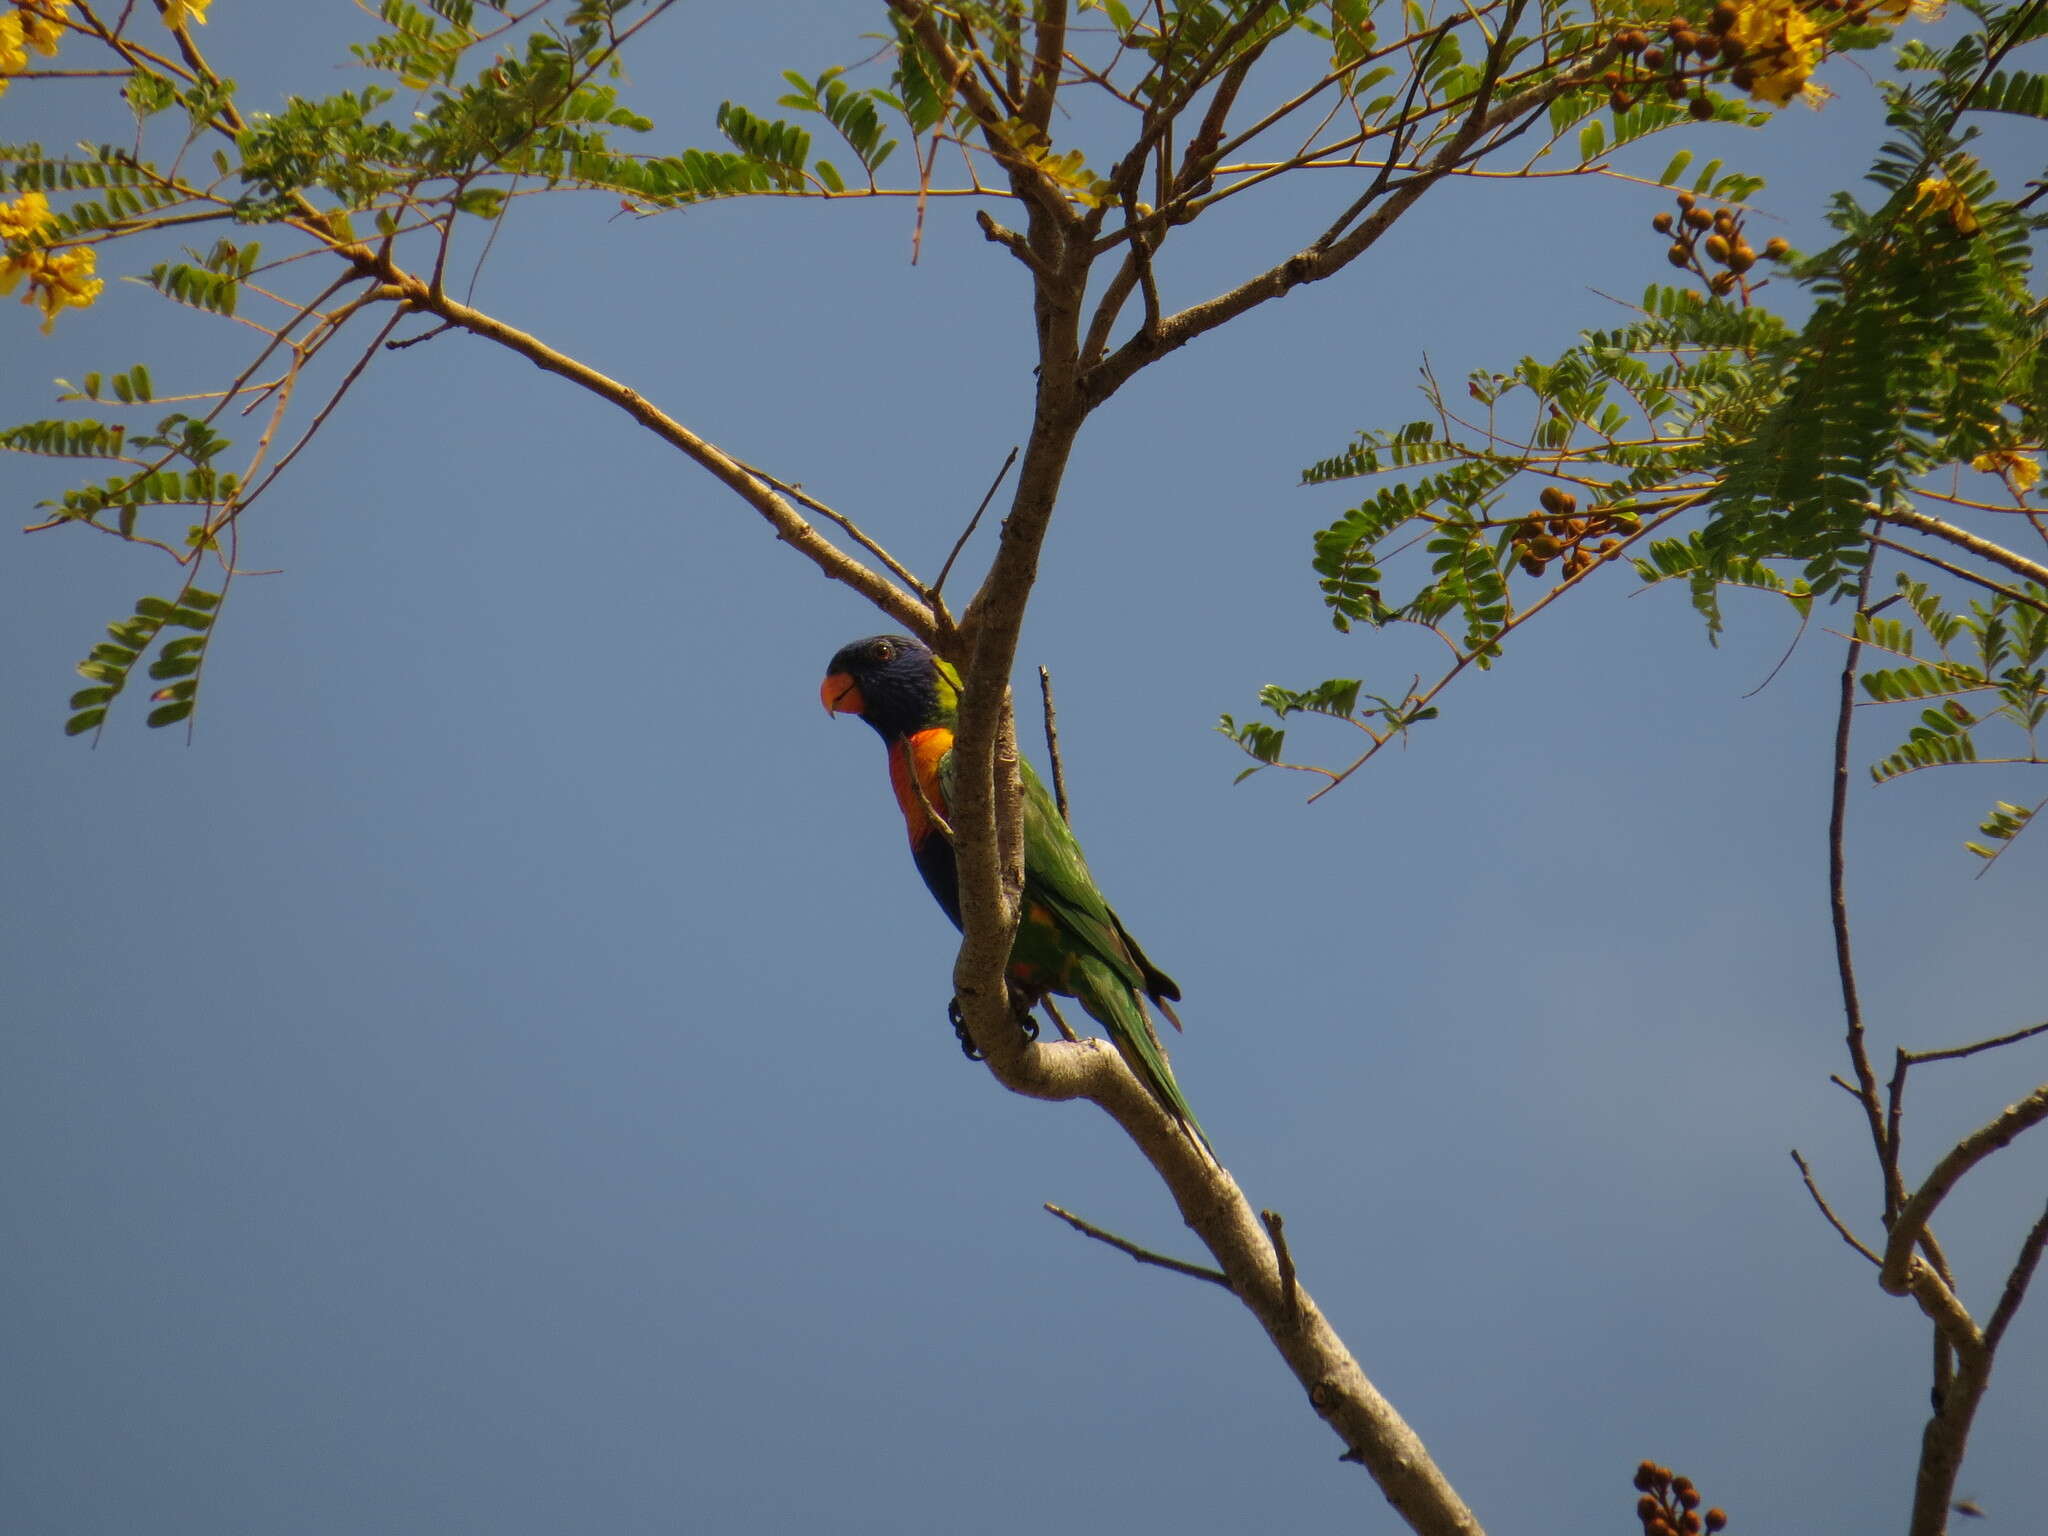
point(1068, 940)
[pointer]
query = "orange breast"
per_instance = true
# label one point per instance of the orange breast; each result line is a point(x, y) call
point(919, 755)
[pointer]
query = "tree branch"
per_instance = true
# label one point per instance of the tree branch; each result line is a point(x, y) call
point(790, 526)
point(1962, 538)
point(1896, 1275)
point(1318, 262)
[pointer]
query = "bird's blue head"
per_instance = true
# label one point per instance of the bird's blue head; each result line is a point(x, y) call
point(894, 683)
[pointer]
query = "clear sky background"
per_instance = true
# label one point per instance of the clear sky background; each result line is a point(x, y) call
point(495, 1077)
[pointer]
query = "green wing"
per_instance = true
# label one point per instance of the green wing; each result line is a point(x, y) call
point(1080, 946)
point(1096, 960)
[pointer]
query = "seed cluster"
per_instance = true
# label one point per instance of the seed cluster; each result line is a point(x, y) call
point(1700, 239)
point(1680, 65)
point(1559, 529)
point(1767, 49)
point(1669, 1505)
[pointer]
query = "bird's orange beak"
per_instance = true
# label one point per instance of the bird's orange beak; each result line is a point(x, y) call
point(841, 695)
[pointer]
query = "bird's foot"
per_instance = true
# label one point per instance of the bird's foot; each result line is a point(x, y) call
point(1020, 1007)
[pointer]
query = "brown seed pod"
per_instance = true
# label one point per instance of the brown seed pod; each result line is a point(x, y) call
point(1675, 89)
point(1686, 41)
point(1528, 529)
point(1558, 500)
point(1698, 218)
point(1546, 548)
point(1645, 1473)
point(1742, 78)
point(1611, 79)
point(1718, 248)
point(1701, 108)
point(1732, 49)
point(1662, 223)
point(1689, 1523)
point(1724, 17)
point(1631, 41)
point(1653, 58)
point(1777, 248)
point(1647, 1508)
point(1686, 200)
point(1532, 565)
point(1610, 549)
point(1724, 221)
point(1679, 256)
point(1716, 1519)
point(1723, 282)
point(1618, 102)
point(1741, 259)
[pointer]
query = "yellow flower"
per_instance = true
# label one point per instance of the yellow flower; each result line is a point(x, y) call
point(24, 216)
point(1937, 194)
point(57, 280)
point(42, 23)
point(13, 56)
point(2018, 470)
point(178, 12)
point(1781, 47)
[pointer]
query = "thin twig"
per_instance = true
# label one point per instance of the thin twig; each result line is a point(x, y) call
point(412, 341)
point(1838, 913)
point(1964, 573)
point(1142, 1255)
point(803, 498)
point(1066, 1030)
point(1276, 1228)
point(2016, 1282)
point(1052, 748)
point(1826, 1210)
point(1954, 1053)
point(972, 523)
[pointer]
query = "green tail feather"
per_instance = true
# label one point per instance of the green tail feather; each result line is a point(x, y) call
point(1116, 1006)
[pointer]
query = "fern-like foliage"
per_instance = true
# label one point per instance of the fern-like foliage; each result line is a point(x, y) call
point(1720, 446)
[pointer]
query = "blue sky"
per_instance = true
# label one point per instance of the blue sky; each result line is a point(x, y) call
point(495, 1077)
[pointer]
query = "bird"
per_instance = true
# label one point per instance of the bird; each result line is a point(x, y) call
point(1069, 939)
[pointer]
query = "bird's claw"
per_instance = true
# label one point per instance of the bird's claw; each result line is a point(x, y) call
point(959, 1023)
point(1027, 1025)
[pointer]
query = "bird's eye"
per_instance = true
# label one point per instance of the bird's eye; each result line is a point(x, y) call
point(884, 651)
